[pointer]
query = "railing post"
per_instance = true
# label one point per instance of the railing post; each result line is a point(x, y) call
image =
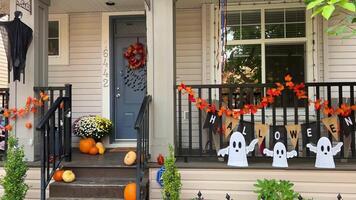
point(43, 165)
point(68, 123)
point(138, 163)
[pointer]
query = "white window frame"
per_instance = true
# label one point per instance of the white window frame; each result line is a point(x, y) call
point(63, 57)
point(307, 40)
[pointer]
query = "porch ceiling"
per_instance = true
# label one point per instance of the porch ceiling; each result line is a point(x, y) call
point(75, 6)
point(197, 3)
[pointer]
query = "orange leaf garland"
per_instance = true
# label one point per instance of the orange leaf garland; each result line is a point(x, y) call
point(8, 127)
point(272, 93)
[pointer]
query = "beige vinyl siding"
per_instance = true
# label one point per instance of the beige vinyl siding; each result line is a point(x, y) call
point(215, 183)
point(84, 69)
point(341, 57)
point(189, 46)
point(189, 62)
point(32, 179)
point(320, 48)
point(3, 65)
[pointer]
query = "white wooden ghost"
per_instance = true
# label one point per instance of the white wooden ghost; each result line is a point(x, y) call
point(237, 150)
point(325, 153)
point(280, 155)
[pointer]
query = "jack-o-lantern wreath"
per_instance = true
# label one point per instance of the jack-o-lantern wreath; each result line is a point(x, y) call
point(136, 55)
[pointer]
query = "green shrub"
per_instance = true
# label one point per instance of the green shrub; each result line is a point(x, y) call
point(13, 182)
point(275, 190)
point(171, 178)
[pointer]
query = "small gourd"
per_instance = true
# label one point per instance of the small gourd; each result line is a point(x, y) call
point(130, 191)
point(57, 176)
point(100, 147)
point(68, 176)
point(130, 158)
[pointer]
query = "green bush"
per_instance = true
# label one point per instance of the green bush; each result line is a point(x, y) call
point(171, 178)
point(13, 182)
point(275, 190)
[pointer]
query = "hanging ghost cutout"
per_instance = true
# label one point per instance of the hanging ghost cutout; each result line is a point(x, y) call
point(325, 153)
point(237, 150)
point(280, 155)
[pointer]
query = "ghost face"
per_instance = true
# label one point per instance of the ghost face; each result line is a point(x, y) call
point(237, 150)
point(279, 155)
point(324, 147)
point(237, 143)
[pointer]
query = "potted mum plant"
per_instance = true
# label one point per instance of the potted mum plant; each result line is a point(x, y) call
point(92, 129)
point(91, 126)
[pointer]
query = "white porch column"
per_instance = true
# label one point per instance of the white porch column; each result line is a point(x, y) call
point(161, 73)
point(36, 74)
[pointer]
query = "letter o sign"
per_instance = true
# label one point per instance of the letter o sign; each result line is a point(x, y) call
point(277, 135)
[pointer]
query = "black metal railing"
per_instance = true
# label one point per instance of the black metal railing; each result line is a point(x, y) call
point(56, 136)
point(193, 140)
point(143, 154)
point(4, 103)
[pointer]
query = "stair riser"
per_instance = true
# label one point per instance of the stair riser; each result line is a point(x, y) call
point(84, 172)
point(87, 192)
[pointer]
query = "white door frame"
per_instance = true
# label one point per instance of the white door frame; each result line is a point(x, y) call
point(107, 73)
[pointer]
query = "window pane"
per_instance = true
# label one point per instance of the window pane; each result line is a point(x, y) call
point(53, 47)
point(233, 18)
point(53, 29)
point(251, 32)
point(251, 17)
point(233, 33)
point(274, 16)
point(275, 31)
point(295, 30)
point(243, 64)
point(285, 59)
point(295, 15)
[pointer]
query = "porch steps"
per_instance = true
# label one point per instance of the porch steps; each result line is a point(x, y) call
point(97, 177)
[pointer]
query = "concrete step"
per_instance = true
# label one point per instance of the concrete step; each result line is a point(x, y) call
point(90, 188)
point(103, 172)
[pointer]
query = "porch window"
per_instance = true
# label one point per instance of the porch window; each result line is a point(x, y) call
point(265, 44)
point(58, 39)
point(53, 38)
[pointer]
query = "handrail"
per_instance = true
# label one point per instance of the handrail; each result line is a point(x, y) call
point(55, 128)
point(142, 128)
point(144, 106)
point(50, 112)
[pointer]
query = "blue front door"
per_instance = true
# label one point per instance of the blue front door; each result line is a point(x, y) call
point(129, 85)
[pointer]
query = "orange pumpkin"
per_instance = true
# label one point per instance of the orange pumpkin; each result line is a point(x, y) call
point(28, 125)
point(57, 176)
point(92, 141)
point(94, 150)
point(130, 191)
point(86, 144)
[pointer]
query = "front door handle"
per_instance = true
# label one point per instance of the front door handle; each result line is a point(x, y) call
point(118, 92)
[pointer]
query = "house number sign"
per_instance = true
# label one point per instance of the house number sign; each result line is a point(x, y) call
point(106, 67)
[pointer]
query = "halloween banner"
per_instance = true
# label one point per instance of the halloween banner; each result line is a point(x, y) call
point(261, 132)
point(212, 121)
point(278, 134)
point(309, 133)
point(347, 125)
point(230, 125)
point(332, 124)
point(247, 130)
point(293, 132)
